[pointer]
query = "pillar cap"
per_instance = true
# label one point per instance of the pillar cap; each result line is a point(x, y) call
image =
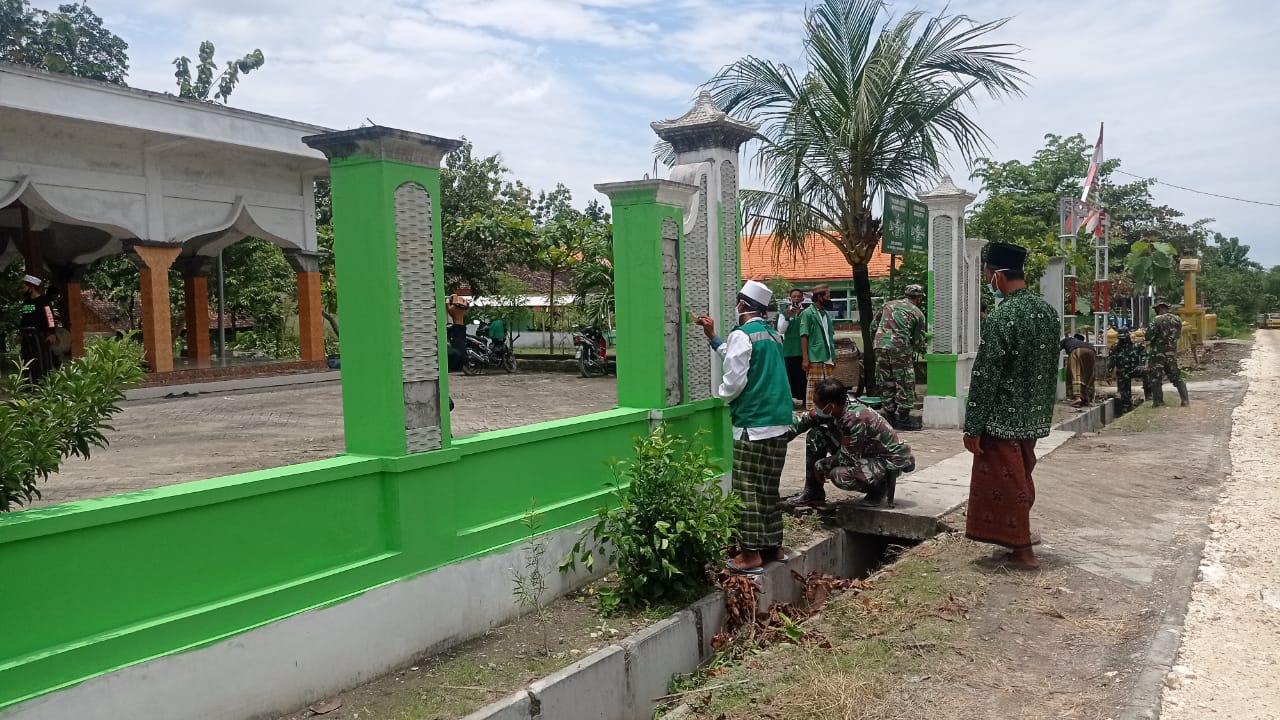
point(383, 143)
point(946, 190)
point(667, 192)
point(705, 126)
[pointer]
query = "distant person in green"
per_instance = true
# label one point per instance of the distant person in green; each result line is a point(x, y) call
point(817, 342)
point(755, 387)
point(1128, 361)
point(1011, 398)
point(497, 332)
point(1162, 355)
point(789, 326)
point(900, 335)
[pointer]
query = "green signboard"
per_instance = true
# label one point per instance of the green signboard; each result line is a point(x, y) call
point(905, 226)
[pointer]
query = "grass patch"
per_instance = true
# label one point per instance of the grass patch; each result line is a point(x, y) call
point(851, 654)
point(798, 530)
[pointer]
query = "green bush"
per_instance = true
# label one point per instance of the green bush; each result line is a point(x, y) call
point(62, 416)
point(671, 527)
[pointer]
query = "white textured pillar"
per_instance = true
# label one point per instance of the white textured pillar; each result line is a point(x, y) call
point(953, 304)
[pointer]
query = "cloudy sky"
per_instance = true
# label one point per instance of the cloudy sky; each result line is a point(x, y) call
point(565, 89)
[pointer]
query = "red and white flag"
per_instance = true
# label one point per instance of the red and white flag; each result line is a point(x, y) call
point(1093, 166)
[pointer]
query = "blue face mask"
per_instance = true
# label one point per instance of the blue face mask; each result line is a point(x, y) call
point(992, 285)
point(822, 413)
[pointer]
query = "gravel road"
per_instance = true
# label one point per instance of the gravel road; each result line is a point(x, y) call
point(1229, 665)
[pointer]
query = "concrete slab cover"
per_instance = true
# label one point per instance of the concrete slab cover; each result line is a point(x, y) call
point(590, 689)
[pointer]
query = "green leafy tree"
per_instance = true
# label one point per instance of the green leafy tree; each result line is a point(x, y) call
point(593, 284)
point(509, 304)
point(880, 103)
point(259, 284)
point(484, 219)
point(199, 87)
point(71, 41)
point(1151, 262)
point(63, 416)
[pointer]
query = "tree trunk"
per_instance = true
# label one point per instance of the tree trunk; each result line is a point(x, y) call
point(862, 289)
point(551, 316)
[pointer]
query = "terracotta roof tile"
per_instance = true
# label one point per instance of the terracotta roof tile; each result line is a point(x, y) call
point(820, 261)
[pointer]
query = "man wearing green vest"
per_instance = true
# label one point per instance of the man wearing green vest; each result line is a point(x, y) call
point(789, 326)
point(755, 386)
point(817, 341)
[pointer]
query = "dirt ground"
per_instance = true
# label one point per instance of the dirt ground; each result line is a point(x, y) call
point(468, 677)
point(946, 633)
point(1229, 664)
point(164, 442)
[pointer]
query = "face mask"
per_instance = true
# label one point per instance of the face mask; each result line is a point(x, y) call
point(822, 413)
point(992, 286)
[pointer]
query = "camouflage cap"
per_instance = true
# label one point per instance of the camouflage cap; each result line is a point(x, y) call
point(1161, 302)
point(1122, 334)
point(914, 291)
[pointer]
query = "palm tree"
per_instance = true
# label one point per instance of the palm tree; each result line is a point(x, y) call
point(876, 110)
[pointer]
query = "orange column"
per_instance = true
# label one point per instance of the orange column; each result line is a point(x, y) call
point(153, 263)
point(310, 317)
point(71, 293)
point(195, 294)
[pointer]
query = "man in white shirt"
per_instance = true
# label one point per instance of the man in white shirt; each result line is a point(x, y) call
point(755, 386)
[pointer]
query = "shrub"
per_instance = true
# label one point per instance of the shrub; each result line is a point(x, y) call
point(671, 526)
point(62, 416)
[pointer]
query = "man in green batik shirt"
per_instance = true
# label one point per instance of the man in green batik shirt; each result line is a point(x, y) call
point(1011, 399)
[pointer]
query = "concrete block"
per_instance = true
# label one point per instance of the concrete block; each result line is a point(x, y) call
point(654, 655)
point(709, 615)
point(517, 706)
point(593, 688)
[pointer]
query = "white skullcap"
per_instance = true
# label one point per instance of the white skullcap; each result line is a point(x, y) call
point(757, 291)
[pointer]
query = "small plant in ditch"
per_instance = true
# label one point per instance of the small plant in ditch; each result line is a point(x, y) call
point(528, 583)
point(671, 525)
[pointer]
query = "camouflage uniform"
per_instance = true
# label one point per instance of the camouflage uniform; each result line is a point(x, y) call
point(899, 336)
point(857, 451)
point(1128, 360)
point(1162, 358)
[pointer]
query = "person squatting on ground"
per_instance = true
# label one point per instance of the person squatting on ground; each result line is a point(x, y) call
point(789, 326)
point(1011, 400)
point(817, 342)
point(37, 329)
point(1128, 361)
point(1162, 355)
point(900, 336)
point(755, 386)
point(851, 445)
point(1082, 363)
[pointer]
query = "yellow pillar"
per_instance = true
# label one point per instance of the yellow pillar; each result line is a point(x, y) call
point(1191, 312)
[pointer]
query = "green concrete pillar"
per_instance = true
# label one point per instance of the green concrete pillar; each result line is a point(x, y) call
point(385, 186)
point(648, 220)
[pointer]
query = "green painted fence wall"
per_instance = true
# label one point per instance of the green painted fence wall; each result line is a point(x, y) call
point(96, 585)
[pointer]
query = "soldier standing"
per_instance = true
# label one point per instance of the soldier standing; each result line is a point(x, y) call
point(1162, 355)
point(1127, 360)
point(900, 335)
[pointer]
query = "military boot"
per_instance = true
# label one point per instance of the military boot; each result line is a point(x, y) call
point(1157, 396)
point(906, 422)
point(1182, 393)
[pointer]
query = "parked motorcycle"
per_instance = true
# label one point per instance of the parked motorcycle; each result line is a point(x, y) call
point(592, 351)
point(482, 353)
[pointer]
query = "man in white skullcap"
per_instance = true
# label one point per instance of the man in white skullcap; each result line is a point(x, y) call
point(759, 396)
point(36, 327)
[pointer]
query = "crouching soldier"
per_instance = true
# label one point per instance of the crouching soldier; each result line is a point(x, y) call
point(851, 445)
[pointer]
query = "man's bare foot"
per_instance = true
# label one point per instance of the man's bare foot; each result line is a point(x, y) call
point(1024, 559)
point(747, 562)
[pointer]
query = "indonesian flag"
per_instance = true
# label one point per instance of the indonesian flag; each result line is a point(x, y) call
point(1095, 222)
point(1093, 166)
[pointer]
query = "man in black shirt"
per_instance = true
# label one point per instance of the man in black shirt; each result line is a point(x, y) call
point(36, 326)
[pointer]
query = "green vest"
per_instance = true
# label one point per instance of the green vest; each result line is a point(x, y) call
point(791, 339)
point(766, 400)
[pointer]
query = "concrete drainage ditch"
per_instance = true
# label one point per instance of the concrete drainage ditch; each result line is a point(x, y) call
point(624, 681)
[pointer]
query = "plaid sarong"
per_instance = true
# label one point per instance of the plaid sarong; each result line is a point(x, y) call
point(817, 373)
point(757, 470)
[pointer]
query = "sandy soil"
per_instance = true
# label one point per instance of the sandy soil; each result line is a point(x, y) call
point(1229, 665)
